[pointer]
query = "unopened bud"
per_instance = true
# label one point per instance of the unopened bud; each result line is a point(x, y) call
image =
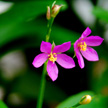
point(53, 45)
point(85, 99)
point(48, 16)
point(55, 10)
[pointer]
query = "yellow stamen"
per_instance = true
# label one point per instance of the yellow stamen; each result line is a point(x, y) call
point(83, 46)
point(52, 57)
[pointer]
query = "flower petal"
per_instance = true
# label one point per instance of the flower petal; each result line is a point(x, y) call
point(90, 54)
point(80, 58)
point(76, 44)
point(52, 70)
point(39, 60)
point(45, 47)
point(93, 40)
point(65, 61)
point(62, 48)
point(86, 32)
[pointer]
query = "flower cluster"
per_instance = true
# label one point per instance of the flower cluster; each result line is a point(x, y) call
point(54, 53)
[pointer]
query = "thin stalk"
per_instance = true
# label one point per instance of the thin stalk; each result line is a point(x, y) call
point(43, 79)
point(42, 87)
point(49, 29)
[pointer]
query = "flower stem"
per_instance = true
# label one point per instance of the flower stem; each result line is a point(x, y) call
point(49, 29)
point(74, 56)
point(42, 87)
point(43, 80)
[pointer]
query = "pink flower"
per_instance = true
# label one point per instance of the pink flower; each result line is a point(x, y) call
point(54, 54)
point(82, 47)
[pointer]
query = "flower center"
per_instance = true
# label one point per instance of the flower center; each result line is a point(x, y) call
point(83, 46)
point(52, 57)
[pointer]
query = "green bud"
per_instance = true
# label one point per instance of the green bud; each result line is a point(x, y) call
point(85, 100)
point(53, 45)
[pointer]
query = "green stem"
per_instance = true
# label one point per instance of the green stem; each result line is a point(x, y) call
point(49, 29)
point(43, 80)
point(42, 87)
point(74, 55)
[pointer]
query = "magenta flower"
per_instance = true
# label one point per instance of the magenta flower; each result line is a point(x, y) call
point(82, 47)
point(54, 54)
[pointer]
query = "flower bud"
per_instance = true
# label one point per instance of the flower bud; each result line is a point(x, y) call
point(48, 16)
point(53, 45)
point(55, 10)
point(85, 100)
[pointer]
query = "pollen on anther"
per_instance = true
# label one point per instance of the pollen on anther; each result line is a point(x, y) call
point(83, 46)
point(52, 57)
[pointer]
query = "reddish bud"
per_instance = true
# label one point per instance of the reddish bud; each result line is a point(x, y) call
point(55, 10)
point(48, 16)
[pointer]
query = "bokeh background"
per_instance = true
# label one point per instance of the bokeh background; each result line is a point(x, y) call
point(23, 26)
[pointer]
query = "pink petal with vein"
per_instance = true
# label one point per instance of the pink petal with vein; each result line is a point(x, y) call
point(76, 43)
point(62, 48)
point(90, 54)
point(93, 40)
point(80, 58)
point(52, 70)
point(45, 47)
point(39, 60)
point(86, 32)
point(65, 61)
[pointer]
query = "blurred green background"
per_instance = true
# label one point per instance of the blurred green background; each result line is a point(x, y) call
point(23, 26)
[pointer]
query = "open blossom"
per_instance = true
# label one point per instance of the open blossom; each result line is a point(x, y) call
point(54, 53)
point(82, 47)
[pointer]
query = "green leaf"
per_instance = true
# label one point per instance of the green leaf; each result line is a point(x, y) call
point(101, 13)
point(29, 84)
point(97, 102)
point(21, 12)
point(72, 100)
point(24, 11)
point(34, 32)
point(2, 104)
